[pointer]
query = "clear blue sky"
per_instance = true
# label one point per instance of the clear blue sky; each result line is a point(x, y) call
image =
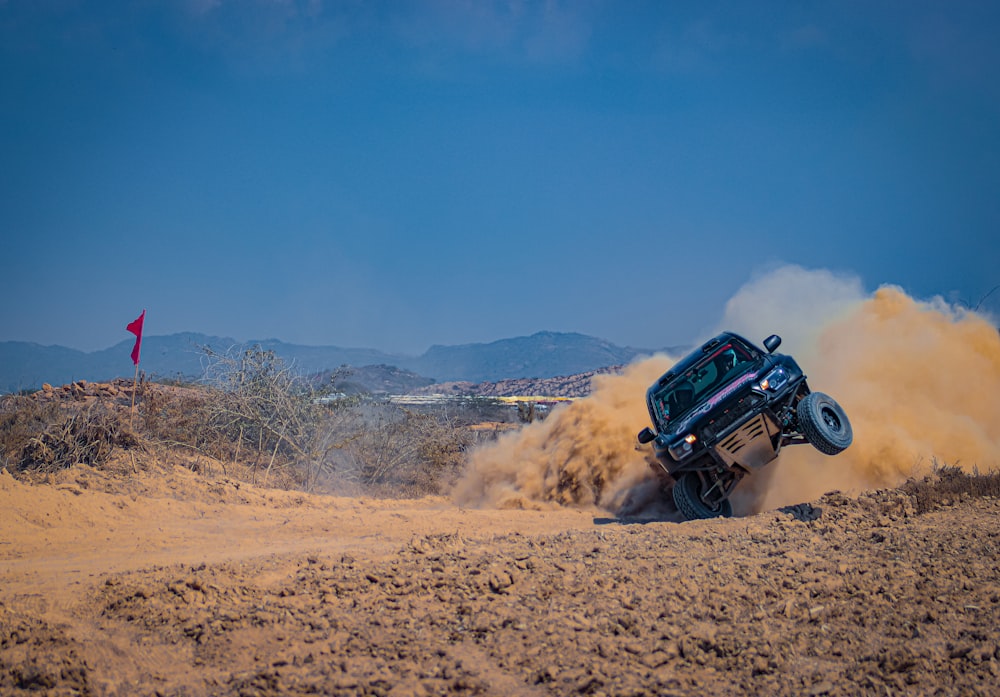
point(400, 174)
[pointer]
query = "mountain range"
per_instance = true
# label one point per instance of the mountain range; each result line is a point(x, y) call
point(26, 365)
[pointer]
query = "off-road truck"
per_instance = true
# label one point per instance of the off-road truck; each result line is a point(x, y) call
point(724, 411)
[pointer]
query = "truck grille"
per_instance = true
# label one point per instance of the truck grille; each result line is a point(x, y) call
point(735, 410)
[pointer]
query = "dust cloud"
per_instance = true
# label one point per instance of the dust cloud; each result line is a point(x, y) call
point(584, 453)
point(920, 382)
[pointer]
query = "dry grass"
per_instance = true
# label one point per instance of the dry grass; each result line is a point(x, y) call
point(949, 485)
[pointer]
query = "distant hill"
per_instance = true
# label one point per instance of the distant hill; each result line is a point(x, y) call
point(372, 379)
point(541, 355)
point(25, 365)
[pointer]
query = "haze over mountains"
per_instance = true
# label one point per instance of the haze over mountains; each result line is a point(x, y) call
point(25, 365)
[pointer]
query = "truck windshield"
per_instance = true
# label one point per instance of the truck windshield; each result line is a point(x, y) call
point(692, 387)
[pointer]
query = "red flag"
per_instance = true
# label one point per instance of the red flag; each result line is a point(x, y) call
point(136, 328)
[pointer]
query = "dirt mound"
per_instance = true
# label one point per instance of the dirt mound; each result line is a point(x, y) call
point(118, 392)
point(189, 585)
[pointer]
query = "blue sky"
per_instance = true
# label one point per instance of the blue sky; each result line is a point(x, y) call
point(401, 174)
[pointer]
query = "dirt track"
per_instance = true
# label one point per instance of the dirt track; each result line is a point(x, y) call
point(174, 586)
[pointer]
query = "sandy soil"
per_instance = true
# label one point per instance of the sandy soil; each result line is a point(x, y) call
point(171, 584)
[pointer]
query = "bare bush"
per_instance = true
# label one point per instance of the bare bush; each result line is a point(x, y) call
point(401, 452)
point(22, 419)
point(277, 419)
point(261, 405)
point(46, 438)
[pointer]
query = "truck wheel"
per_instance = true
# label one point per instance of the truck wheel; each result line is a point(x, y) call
point(687, 496)
point(824, 423)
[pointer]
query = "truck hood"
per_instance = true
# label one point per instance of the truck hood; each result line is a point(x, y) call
point(688, 423)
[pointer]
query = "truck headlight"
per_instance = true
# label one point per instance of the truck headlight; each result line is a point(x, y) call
point(684, 447)
point(774, 380)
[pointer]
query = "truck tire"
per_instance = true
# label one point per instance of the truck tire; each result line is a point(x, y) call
point(824, 423)
point(687, 496)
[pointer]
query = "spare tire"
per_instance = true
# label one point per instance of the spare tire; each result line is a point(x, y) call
point(824, 423)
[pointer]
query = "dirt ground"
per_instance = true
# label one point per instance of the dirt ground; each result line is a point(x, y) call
point(174, 584)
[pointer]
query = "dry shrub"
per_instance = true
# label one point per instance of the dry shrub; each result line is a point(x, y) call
point(255, 420)
point(948, 485)
point(390, 451)
point(280, 422)
point(181, 417)
point(262, 406)
point(22, 419)
point(86, 436)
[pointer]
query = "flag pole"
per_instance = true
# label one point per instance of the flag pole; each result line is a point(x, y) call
point(135, 383)
point(135, 327)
